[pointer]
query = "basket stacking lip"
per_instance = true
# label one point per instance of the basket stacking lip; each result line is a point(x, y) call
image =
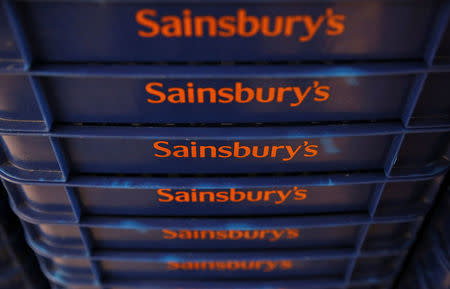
point(230, 284)
point(291, 284)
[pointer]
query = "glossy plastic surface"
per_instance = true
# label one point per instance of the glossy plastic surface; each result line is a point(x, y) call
point(143, 94)
point(265, 266)
point(75, 150)
point(221, 196)
point(301, 233)
point(148, 31)
point(48, 52)
point(364, 252)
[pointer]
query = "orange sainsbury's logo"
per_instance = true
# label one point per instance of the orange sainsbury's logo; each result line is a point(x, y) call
point(165, 149)
point(231, 265)
point(240, 24)
point(232, 195)
point(294, 96)
point(271, 235)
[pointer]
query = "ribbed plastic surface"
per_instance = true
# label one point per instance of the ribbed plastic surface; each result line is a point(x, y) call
point(148, 31)
point(136, 94)
point(74, 150)
point(221, 196)
point(225, 144)
point(48, 52)
point(363, 247)
point(307, 233)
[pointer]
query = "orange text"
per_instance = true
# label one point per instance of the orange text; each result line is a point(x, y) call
point(236, 150)
point(241, 24)
point(271, 235)
point(292, 95)
point(232, 195)
point(231, 265)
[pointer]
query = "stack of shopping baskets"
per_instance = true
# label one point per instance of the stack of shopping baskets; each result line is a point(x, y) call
point(223, 144)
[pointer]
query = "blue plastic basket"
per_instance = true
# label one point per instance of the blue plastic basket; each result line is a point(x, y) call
point(45, 85)
point(297, 233)
point(369, 194)
point(143, 267)
point(90, 152)
point(149, 31)
point(144, 95)
point(364, 249)
point(90, 250)
point(71, 150)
